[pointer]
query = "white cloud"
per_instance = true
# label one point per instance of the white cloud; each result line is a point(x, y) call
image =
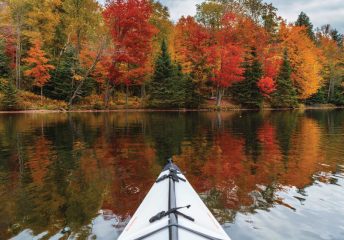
point(320, 11)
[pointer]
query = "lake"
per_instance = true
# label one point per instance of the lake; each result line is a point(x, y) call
point(264, 175)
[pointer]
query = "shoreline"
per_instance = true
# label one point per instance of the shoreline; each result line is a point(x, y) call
point(170, 110)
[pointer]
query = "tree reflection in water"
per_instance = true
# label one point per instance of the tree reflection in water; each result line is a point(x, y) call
point(90, 171)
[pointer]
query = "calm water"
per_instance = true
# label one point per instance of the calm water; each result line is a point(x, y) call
point(271, 175)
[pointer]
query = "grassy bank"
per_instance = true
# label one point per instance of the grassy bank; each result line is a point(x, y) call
point(29, 102)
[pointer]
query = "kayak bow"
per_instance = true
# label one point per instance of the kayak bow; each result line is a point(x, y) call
point(173, 210)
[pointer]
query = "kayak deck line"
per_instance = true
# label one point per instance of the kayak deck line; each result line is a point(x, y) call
point(172, 201)
point(162, 214)
point(172, 174)
point(158, 228)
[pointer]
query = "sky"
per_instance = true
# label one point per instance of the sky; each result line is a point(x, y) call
point(320, 11)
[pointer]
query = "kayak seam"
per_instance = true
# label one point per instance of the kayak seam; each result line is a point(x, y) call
point(178, 226)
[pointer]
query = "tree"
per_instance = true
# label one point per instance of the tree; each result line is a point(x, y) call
point(305, 60)
point(247, 92)
point(167, 89)
point(333, 64)
point(160, 19)
point(19, 10)
point(60, 86)
point(9, 100)
point(226, 62)
point(87, 72)
point(41, 20)
point(132, 34)
point(225, 56)
point(209, 14)
point(39, 67)
point(192, 42)
point(271, 19)
point(81, 18)
point(4, 60)
point(7, 41)
point(304, 21)
point(267, 86)
point(285, 94)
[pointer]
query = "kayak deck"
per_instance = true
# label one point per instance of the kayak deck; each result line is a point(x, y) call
point(173, 210)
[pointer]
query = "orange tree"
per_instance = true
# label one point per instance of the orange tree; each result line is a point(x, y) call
point(38, 66)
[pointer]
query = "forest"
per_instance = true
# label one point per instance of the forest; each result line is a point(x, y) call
point(80, 54)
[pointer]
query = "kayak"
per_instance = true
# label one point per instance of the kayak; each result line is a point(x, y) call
point(172, 210)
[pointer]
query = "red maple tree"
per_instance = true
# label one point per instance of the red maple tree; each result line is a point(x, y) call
point(225, 57)
point(131, 32)
point(191, 41)
point(226, 61)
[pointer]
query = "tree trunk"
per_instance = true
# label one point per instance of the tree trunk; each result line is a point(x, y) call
point(330, 87)
point(41, 95)
point(126, 96)
point(96, 60)
point(78, 43)
point(18, 52)
point(219, 96)
point(143, 90)
point(107, 90)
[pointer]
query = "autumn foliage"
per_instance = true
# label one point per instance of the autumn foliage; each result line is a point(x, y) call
point(226, 57)
point(267, 85)
point(305, 60)
point(131, 33)
point(38, 64)
point(230, 50)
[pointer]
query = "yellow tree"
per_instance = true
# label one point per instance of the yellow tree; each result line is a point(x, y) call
point(38, 66)
point(333, 64)
point(305, 60)
point(42, 20)
point(83, 19)
point(18, 9)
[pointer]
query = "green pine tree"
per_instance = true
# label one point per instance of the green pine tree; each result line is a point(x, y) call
point(9, 100)
point(4, 61)
point(167, 88)
point(303, 20)
point(193, 98)
point(319, 98)
point(285, 94)
point(61, 86)
point(247, 92)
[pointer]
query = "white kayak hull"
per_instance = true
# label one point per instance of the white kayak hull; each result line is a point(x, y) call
point(170, 192)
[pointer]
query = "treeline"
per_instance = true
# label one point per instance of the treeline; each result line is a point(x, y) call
point(79, 51)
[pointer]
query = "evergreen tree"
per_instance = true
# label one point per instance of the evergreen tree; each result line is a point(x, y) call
point(177, 86)
point(336, 36)
point(247, 91)
point(4, 61)
point(303, 20)
point(319, 98)
point(193, 98)
point(285, 94)
point(9, 100)
point(62, 84)
point(167, 89)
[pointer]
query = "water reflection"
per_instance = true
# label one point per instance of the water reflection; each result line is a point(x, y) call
point(85, 174)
